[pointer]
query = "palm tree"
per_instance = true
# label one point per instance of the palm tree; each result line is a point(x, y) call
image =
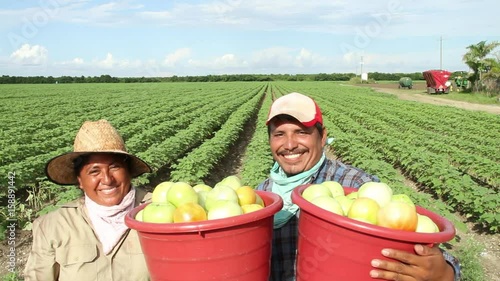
point(476, 59)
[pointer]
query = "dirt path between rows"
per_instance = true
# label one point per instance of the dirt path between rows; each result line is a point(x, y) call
point(416, 95)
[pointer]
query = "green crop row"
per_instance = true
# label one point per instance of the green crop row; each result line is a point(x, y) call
point(429, 169)
point(198, 130)
point(390, 134)
point(257, 160)
point(451, 155)
point(478, 164)
point(198, 164)
point(150, 118)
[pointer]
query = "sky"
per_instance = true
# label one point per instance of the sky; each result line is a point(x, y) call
point(186, 38)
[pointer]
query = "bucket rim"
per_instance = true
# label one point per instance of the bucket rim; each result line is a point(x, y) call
point(273, 203)
point(446, 233)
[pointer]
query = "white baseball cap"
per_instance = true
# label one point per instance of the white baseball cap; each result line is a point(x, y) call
point(299, 106)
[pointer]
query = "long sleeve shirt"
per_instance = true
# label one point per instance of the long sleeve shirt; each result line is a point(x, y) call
point(65, 247)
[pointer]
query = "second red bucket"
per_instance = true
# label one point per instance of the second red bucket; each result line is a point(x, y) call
point(334, 247)
point(234, 248)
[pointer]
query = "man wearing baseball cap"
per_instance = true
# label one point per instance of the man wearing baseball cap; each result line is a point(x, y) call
point(297, 138)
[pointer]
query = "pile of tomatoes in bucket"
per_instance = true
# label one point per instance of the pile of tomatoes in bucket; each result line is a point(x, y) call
point(175, 202)
point(373, 203)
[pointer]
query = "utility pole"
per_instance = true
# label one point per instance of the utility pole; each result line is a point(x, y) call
point(361, 63)
point(441, 53)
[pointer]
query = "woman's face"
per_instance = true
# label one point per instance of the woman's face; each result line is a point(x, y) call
point(295, 147)
point(105, 178)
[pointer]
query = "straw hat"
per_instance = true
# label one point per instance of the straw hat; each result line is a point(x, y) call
point(93, 137)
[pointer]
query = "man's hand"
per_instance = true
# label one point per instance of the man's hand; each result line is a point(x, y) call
point(428, 264)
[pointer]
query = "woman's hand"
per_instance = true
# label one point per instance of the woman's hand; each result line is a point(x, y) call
point(427, 264)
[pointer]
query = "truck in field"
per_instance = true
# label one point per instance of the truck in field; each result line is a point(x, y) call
point(405, 82)
point(461, 81)
point(438, 81)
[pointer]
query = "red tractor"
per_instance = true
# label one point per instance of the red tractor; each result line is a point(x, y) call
point(437, 81)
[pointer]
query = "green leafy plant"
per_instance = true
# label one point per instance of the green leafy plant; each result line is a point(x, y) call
point(12, 276)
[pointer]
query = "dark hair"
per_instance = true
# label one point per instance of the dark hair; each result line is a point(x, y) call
point(285, 117)
point(79, 162)
point(83, 159)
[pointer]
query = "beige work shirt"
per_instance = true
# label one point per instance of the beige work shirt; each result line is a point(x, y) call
point(65, 247)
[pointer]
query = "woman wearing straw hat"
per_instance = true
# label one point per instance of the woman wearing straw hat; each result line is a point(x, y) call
point(87, 239)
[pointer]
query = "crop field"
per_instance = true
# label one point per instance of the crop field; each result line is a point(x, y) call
point(446, 159)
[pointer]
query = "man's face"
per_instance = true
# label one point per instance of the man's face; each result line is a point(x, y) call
point(295, 147)
point(105, 179)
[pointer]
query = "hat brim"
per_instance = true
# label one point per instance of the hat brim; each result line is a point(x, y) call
point(60, 169)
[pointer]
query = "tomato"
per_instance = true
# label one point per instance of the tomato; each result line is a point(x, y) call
point(398, 215)
point(426, 225)
point(224, 209)
point(364, 209)
point(258, 200)
point(189, 212)
point(251, 208)
point(246, 195)
point(378, 191)
point(158, 213)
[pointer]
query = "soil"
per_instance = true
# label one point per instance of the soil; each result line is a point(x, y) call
point(490, 256)
point(419, 93)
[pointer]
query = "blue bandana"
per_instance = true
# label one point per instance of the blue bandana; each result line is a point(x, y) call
point(284, 185)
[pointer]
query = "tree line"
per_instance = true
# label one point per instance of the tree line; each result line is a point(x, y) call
point(482, 58)
point(377, 76)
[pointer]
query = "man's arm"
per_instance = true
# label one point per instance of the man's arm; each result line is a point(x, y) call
point(455, 264)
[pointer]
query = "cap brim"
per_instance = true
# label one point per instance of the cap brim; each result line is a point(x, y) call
point(295, 116)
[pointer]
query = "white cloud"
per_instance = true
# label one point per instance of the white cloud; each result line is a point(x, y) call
point(107, 62)
point(229, 61)
point(114, 65)
point(150, 68)
point(306, 58)
point(109, 65)
point(225, 64)
point(30, 55)
point(276, 57)
point(177, 56)
point(413, 61)
point(219, 7)
point(74, 62)
point(349, 57)
point(314, 36)
point(394, 17)
point(271, 60)
point(205, 13)
point(155, 16)
point(326, 16)
point(111, 13)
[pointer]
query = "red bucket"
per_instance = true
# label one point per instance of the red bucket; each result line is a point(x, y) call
point(234, 248)
point(334, 247)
